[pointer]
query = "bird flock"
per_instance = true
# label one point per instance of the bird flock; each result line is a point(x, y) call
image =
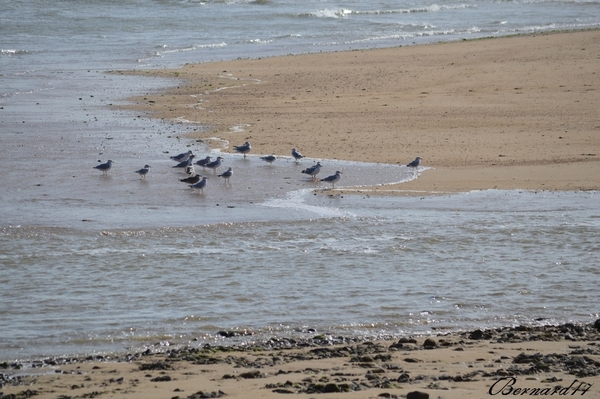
point(185, 161)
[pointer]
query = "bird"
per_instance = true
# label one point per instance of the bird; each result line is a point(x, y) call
point(200, 185)
point(297, 156)
point(269, 158)
point(214, 164)
point(191, 180)
point(203, 162)
point(313, 170)
point(333, 178)
point(182, 157)
point(143, 172)
point(243, 149)
point(190, 171)
point(226, 175)
point(104, 167)
point(414, 163)
point(186, 163)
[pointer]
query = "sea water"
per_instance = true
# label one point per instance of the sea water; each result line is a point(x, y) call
point(94, 263)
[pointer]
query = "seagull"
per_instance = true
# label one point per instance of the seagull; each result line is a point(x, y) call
point(414, 163)
point(203, 162)
point(269, 158)
point(313, 170)
point(182, 157)
point(297, 156)
point(191, 180)
point(200, 185)
point(186, 163)
point(214, 164)
point(190, 171)
point(333, 178)
point(104, 167)
point(226, 175)
point(143, 172)
point(244, 149)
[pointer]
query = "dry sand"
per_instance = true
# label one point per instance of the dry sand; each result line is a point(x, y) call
point(509, 113)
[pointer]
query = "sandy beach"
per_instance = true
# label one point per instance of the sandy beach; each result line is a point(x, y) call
point(532, 361)
point(515, 112)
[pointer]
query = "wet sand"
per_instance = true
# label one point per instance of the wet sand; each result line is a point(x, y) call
point(507, 113)
point(562, 359)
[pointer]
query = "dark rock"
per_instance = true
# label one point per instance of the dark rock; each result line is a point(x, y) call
point(417, 395)
point(477, 334)
point(331, 387)
point(251, 374)
point(162, 378)
point(156, 366)
point(429, 343)
point(407, 340)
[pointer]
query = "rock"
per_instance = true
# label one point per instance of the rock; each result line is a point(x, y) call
point(597, 324)
point(417, 395)
point(331, 387)
point(477, 334)
point(162, 378)
point(429, 343)
point(251, 374)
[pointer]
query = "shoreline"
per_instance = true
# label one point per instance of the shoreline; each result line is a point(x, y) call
point(508, 113)
point(470, 364)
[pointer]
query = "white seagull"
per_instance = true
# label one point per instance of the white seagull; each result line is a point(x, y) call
point(333, 178)
point(269, 158)
point(182, 157)
point(214, 164)
point(186, 163)
point(203, 162)
point(313, 170)
point(190, 171)
point(414, 163)
point(104, 167)
point(200, 185)
point(297, 156)
point(226, 175)
point(243, 149)
point(143, 172)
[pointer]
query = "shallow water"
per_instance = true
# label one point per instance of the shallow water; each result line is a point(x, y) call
point(108, 264)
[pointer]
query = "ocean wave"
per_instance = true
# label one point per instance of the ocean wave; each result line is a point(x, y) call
point(11, 52)
point(344, 12)
point(193, 47)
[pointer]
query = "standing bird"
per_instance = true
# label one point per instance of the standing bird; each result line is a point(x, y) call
point(203, 162)
point(200, 185)
point(333, 178)
point(243, 149)
point(143, 172)
point(214, 164)
point(297, 156)
point(190, 171)
point(191, 180)
point(186, 163)
point(269, 158)
point(415, 163)
point(182, 157)
point(313, 170)
point(226, 175)
point(104, 167)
